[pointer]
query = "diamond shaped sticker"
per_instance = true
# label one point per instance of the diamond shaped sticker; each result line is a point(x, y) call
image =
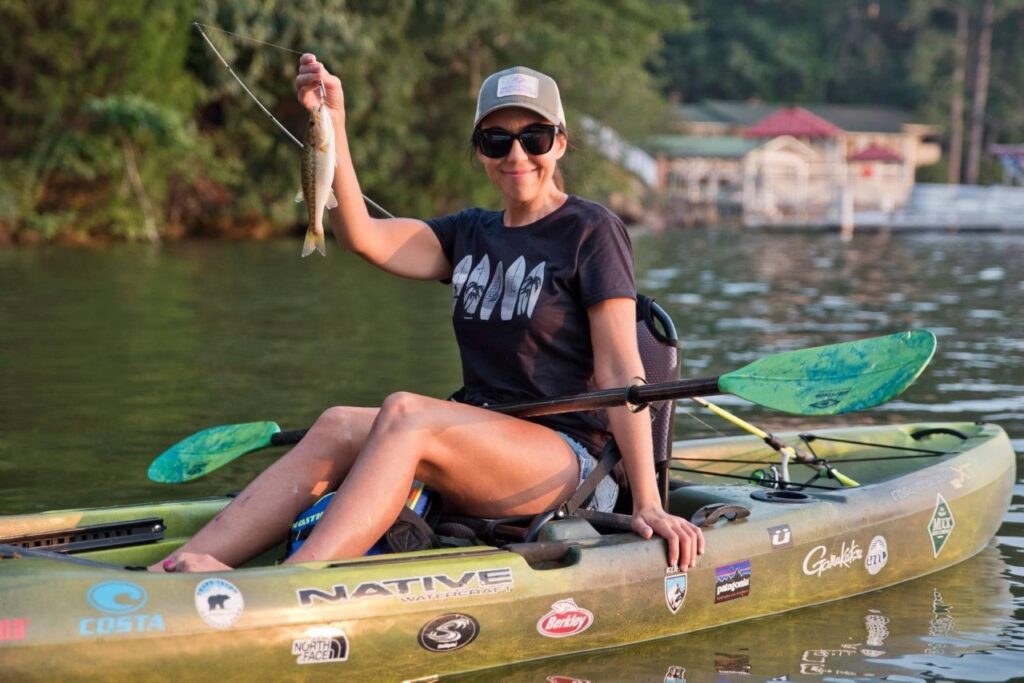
point(941, 524)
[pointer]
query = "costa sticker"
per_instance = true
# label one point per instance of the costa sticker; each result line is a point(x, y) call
point(878, 555)
point(780, 536)
point(732, 581)
point(219, 603)
point(322, 645)
point(120, 606)
point(449, 632)
point(675, 591)
point(941, 524)
point(565, 619)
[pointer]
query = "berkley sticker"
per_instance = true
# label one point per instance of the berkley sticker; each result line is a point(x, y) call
point(675, 591)
point(219, 603)
point(119, 603)
point(732, 581)
point(941, 524)
point(565, 619)
point(13, 629)
point(780, 536)
point(819, 560)
point(322, 645)
point(415, 588)
point(449, 632)
point(878, 555)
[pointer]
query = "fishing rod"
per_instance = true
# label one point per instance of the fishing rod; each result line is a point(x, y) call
point(199, 27)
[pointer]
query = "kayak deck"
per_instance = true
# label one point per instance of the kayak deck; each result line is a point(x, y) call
point(462, 608)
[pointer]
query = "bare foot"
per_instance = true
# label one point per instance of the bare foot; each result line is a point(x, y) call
point(190, 562)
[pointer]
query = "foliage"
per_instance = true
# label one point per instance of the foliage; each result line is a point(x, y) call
point(116, 118)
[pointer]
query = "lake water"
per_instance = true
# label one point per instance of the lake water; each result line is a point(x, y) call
point(108, 356)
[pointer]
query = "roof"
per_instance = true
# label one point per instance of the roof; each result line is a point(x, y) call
point(724, 146)
point(875, 152)
point(795, 121)
point(849, 117)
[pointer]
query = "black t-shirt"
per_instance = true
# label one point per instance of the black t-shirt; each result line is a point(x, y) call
point(519, 304)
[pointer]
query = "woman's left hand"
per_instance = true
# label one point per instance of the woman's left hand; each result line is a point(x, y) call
point(685, 541)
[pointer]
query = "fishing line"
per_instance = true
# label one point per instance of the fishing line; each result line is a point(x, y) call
point(255, 40)
point(375, 205)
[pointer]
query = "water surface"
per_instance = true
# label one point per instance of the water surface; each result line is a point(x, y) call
point(108, 356)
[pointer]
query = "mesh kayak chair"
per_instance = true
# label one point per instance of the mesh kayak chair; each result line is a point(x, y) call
point(659, 351)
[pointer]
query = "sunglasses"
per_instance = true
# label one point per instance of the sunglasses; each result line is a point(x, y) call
point(497, 142)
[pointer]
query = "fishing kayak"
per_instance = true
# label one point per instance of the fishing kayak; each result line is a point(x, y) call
point(779, 536)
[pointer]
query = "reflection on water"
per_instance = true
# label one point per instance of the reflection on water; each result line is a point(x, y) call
point(938, 626)
point(109, 356)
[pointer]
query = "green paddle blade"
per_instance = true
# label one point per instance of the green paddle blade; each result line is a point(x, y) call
point(209, 449)
point(834, 379)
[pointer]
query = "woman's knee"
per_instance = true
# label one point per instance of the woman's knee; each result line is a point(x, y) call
point(343, 425)
point(402, 409)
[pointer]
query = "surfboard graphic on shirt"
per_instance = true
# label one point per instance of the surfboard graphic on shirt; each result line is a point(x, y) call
point(459, 276)
point(529, 291)
point(474, 289)
point(513, 278)
point(493, 292)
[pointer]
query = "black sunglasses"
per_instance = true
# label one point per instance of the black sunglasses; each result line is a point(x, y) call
point(497, 142)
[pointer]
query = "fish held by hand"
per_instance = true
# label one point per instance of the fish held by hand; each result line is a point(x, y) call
point(318, 163)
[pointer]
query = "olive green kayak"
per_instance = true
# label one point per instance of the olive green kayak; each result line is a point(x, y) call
point(72, 606)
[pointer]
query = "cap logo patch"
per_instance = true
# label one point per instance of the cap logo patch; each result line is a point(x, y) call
point(518, 84)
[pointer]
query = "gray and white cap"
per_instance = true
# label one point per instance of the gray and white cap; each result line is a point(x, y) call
point(523, 87)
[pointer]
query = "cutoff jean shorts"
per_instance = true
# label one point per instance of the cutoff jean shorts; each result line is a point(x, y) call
point(607, 492)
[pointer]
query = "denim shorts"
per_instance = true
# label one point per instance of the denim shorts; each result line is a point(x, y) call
point(607, 492)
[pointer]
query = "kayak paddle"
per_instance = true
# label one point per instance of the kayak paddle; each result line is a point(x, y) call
point(824, 380)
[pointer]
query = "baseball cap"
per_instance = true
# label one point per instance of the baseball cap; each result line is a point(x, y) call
point(523, 87)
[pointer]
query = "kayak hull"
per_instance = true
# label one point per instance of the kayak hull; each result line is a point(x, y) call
point(457, 609)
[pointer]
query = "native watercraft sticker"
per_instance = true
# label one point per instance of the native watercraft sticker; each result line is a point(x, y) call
point(878, 555)
point(566, 618)
point(219, 603)
point(415, 588)
point(321, 645)
point(675, 590)
point(780, 536)
point(819, 560)
point(941, 524)
point(13, 629)
point(449, 632)
point(120, 601)
point(732, 581)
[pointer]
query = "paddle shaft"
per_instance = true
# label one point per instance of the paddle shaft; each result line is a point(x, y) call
point(633, 395)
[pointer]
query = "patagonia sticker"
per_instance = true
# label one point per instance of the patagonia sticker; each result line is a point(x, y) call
point(732, 581)
point(518, 85)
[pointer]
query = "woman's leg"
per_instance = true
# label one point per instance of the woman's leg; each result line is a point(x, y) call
point(260, 516)
point(483, 463)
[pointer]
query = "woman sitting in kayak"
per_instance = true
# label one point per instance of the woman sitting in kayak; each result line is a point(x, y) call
point(543, 305)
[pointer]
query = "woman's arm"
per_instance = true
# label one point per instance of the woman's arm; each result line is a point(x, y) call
point(616, 363)
point(403, 246)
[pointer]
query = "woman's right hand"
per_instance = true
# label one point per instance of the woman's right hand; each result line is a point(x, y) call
point(307, 85)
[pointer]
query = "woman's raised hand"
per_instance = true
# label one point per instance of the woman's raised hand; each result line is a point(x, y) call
point(307, 85)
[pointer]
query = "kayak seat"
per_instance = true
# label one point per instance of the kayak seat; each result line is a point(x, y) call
point(658, 343)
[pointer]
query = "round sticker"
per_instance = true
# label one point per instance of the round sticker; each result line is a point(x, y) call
point(878, 555)
point(219, 603)
point(449, 632)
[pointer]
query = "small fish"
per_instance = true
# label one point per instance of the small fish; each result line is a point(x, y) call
point(318, 162)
